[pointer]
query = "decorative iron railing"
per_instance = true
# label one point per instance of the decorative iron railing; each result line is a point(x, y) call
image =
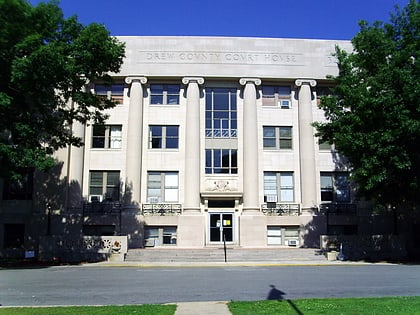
point(162, 209)
point(105, 207)
point(338, 208)
point(221, 133)
point(281, 209)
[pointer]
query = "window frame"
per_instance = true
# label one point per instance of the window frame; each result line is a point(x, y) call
point(338, 192)
point(164, 94)
point(104, 187)
point(111, 92)
point(277, 96)
point(109, 139)
point(216, 162)
point(278, 137)
point(221, 119)
point(164, 188)
point(281, 188)
point(163, 137)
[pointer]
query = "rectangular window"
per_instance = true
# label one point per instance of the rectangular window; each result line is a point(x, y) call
point(104, 185)
point(162, 187)
point(18, 189)
point(276, 96)
point(273, 235)
point(164, 94)
point(221, 113)
point(163, 137)
point(221, 161)
point(113, 92)
point(277, 137)
point(160, 235)
point(107, 136)
point(279, 186)
point(283, 235)
point(335, 187)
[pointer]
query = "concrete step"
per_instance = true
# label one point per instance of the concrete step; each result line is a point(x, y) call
point(235, 254)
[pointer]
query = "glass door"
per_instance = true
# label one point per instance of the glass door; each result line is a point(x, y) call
point(221, 227)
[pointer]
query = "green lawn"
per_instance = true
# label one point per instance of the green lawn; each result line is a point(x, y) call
point(355, 306)
point(92, 310)
point(380, 306)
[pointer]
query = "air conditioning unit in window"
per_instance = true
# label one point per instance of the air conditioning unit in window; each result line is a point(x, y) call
point(284, 104)
point(271, 198)
point(292, 243)
point(153, 199)
point(95, 198)
point(149, 242)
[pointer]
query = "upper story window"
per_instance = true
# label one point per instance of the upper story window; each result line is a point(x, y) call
point(277, 137)
point(163, 137)
point(164, 94)
point(114, 92)
point(221, 113)
point(162, 187)
point(335, 187)
point(278, 187)
point(107, 136)
point(278, 96)
point(104, 185)
point(18, 189)
point(221, 161)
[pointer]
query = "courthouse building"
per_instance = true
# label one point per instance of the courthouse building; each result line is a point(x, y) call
point(211, 140)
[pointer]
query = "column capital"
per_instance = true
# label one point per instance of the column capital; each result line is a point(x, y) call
point(188, 80)
point(130, 79)
point(244, 81)
point(300, 82)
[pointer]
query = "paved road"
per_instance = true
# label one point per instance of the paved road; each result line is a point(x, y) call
point(81, 285)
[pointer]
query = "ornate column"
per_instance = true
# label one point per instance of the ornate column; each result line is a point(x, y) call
point(308, 174)
point(250, 145)
point(134, 140)
point(192, 144)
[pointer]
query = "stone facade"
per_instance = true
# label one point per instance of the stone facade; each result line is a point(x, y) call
point(211, 141)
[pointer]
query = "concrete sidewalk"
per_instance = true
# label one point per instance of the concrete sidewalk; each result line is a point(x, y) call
point(200, 308)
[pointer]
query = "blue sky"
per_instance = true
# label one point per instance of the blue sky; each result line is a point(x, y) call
point(319, 19)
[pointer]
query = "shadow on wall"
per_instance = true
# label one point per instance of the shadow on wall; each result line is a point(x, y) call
point(313, 230)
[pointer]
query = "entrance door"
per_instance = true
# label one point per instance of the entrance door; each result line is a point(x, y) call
point(221, 227)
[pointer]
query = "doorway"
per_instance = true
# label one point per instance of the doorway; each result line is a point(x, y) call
point(221, 227)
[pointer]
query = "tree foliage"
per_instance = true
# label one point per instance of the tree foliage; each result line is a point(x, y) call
point(46, 61)
point(373, 114)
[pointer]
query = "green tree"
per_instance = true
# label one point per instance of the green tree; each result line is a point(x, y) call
point(373, 113)
point(46, 61)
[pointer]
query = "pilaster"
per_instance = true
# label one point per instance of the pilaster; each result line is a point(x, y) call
point(250, 145)
point(308, 174)
point(192, 145)
point(134, 140)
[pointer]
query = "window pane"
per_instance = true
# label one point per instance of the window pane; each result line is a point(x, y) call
point(156, 99)
point(286, 195)
point(171, 194)
point(117, 89)
point(101, 89)
point(116, 136)
point(173, 99)
point(98, 136)
point(285, 132)
point(284, 90)
point(285, 144)
point(171, 180)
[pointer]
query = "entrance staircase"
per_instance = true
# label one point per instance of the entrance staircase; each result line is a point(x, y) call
point(216, 254)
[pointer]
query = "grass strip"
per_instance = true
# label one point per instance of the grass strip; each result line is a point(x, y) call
point(146, 309)
point(351, 306)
